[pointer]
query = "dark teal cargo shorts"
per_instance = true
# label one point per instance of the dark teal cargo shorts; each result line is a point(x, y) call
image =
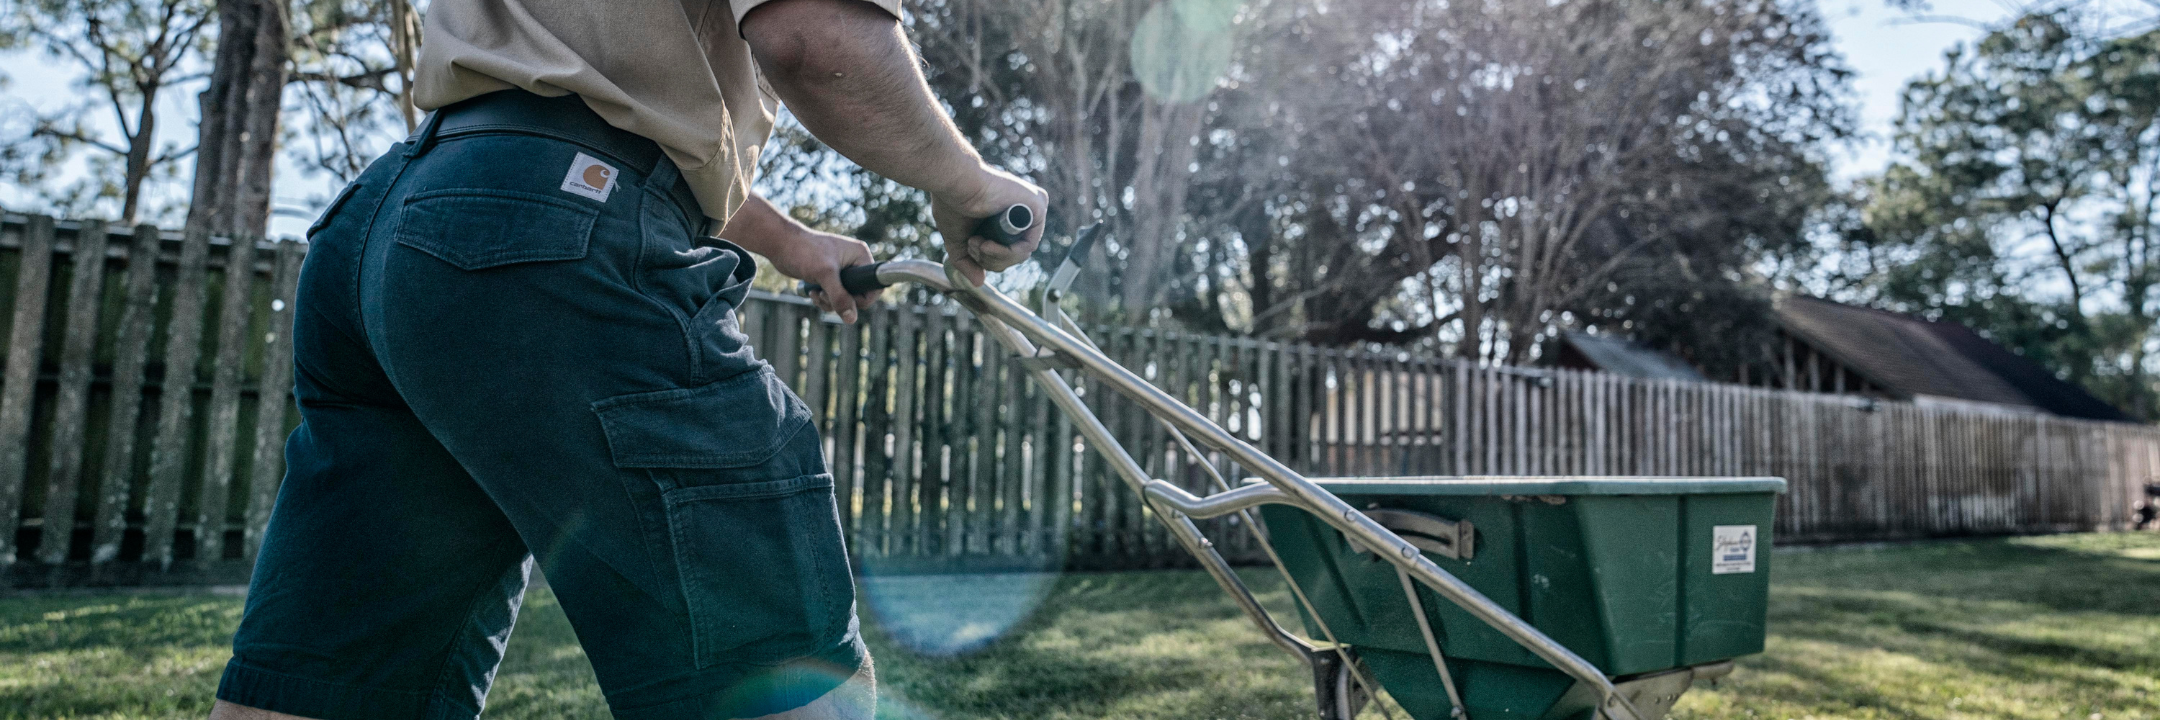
point(514, 346)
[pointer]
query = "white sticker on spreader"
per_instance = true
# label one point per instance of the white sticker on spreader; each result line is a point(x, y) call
point(1732, 549)
point(589, 177)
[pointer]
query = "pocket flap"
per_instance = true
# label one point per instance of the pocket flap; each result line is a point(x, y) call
point(737, 422)
point(476, 229)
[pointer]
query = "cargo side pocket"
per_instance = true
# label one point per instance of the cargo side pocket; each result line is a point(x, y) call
point(752, 519)
point(763, 568)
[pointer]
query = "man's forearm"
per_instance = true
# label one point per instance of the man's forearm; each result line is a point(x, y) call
point(757, 225)
point(846, 71)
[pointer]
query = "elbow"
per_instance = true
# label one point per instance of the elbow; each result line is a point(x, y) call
point(782, 51)
point(797, 40)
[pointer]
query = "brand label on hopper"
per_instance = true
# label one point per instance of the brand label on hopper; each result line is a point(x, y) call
point(1732, 549)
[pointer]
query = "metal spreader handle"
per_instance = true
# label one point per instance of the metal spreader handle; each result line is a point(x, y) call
point(1004, 228)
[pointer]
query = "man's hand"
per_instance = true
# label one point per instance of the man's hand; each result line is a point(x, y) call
point(802, 253)
point(957, 217)
point(819, 257)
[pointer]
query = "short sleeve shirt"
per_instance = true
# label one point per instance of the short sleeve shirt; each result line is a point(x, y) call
point(677, 72)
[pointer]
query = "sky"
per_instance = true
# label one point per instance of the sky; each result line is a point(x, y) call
point(1884, 48)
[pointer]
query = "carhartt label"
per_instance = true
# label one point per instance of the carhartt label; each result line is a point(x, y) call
point(589, 177)
point(1732, 549)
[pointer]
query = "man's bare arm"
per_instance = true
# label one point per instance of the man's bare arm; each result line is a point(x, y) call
point(800, 252)
point(846, 71)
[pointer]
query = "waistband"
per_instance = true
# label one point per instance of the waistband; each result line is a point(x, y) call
point(564, 118)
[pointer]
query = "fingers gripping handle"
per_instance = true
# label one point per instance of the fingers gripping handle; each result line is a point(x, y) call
point(855, 280)
point(1004, 228)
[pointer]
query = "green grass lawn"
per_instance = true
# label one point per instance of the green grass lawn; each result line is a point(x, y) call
point(2055, 627)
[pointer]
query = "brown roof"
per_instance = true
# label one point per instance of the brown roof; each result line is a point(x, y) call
point(1910, 356)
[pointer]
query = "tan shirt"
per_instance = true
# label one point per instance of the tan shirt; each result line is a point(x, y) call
point(674, 71)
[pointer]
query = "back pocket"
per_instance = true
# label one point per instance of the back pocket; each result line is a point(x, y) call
point(476, 229)
point(751, 513)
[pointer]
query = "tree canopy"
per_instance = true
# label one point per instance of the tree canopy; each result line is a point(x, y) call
point(2023, 202)
point(1453, 178)
point(1466, 177)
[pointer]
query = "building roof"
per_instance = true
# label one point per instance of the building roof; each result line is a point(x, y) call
point(1917, 358)
point(1622, 357)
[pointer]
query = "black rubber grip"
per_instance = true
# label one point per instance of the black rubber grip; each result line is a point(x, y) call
point(1007, 227)
point(856, 280)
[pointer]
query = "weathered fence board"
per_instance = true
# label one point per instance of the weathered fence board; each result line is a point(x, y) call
point(144, 408)
point(268, 466)
point(176, 402)
point(71, 406)
point(223, 429)
point(18, 382)
point(131, 351)
point(121, 422)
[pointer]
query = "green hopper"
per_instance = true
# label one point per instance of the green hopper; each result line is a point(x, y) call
point(1658, 582)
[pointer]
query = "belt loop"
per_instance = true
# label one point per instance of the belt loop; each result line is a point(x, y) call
point(663, 176)
point(424, 138)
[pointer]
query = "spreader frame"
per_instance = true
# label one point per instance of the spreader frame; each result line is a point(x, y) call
point(1051, 341)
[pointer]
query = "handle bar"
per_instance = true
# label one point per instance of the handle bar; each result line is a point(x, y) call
point(1004, 228)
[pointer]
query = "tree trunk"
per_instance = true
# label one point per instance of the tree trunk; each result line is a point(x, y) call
point(1161, 177)
point(405, 44)
point(238, 144)
point(1255, 227)
point(138, 157)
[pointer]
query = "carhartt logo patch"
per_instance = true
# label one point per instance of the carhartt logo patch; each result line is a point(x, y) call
point(590, 178)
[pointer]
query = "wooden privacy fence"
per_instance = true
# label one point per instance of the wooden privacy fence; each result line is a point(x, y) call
point(134, 444)
point(946, 456)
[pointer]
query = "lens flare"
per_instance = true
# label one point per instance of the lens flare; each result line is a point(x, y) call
point(794, 685)
point(1182, 47)
point(952, 614)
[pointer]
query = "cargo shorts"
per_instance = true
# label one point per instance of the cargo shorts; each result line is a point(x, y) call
point(506, 357)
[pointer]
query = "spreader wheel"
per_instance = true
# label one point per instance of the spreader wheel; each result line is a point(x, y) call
point(1335, 684)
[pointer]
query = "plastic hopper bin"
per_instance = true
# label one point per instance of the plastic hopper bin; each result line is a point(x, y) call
point(1657, 581)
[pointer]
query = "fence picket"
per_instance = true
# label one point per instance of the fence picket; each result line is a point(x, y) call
point(1062, 485)
point(224, 420)
point(273, 394)
point(983, 495)
point(176, 402)
point(131, 350)
point(930, 478)
point(906, 354)
point(18, 382)
point(871, 523)
point(1038, 484)
point(848, 402)
point(71, 404)
point(961, 431)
